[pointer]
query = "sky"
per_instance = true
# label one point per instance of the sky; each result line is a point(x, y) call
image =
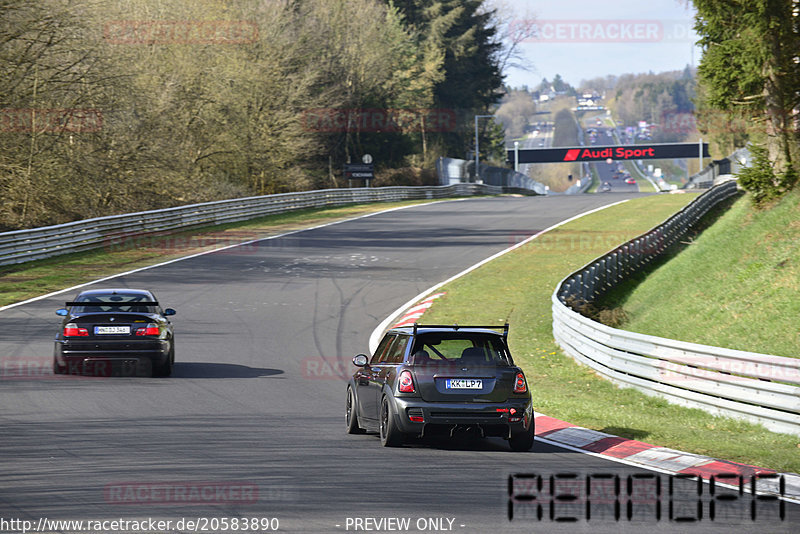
point(583, 39)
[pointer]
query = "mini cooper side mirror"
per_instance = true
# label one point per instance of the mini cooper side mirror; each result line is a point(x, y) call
point(169, 311)
point(62, 312)
point(360, 360)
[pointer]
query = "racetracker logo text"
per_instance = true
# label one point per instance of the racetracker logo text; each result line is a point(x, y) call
point(233, 241)
point(180, 493)
point(41, 368)
point(149, 32)
point(607, 31)
point(322, 369)
point(329, 120)
point(51, 120)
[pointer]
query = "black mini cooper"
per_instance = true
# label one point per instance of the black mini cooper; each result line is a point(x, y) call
point(424, 379)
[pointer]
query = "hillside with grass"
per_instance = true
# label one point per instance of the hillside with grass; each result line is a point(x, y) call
point(736, 284)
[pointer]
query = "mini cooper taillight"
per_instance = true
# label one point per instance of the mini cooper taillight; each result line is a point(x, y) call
point(71, 330)
point(406, 382)
point(150, 330)
point(415, 415)
point(519, 384)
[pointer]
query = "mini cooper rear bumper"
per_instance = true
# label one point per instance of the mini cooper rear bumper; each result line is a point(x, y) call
point(415, 416)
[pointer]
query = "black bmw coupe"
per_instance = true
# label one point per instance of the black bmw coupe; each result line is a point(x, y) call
point(115, 332)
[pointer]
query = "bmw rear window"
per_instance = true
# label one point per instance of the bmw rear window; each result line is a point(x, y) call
point(116, 303)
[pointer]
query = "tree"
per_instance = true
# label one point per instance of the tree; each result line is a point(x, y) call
point(212, 99)
point(515, 112)
point(464, 33)
point(750, 68)
point(665, 99)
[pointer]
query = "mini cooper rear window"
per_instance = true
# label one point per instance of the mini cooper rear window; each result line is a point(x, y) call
point(459, 347)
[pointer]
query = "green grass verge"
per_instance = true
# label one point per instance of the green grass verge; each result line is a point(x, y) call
point(737, 284)
point(517, 287)
point(595, 180)
point(27, 280)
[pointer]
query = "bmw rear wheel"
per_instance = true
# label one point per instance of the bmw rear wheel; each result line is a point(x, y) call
point(165, 369)
point(391, 436)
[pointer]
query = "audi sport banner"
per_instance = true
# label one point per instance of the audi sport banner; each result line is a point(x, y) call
point(603, 153)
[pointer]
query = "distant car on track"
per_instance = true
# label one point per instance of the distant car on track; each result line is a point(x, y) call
point(114, 332)
point(605, 188)
point(431, 379)
point(630, 181)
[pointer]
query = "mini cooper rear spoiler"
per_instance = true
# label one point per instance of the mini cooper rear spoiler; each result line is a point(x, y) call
point(457, 326)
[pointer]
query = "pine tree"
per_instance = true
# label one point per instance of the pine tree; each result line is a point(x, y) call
point(750, 67)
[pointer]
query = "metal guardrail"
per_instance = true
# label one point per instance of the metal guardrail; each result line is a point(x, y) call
point(452, 170)
point(717, 169)
point(757, 387)
point(37, 243)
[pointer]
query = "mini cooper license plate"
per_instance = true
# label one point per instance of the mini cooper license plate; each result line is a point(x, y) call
point(112, 330)
point(463, 383)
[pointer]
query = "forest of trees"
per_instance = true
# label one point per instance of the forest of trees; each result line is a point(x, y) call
point(665, 99)
point(112, 106)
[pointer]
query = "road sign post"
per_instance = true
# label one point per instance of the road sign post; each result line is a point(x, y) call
point(516, 156)
point(359, 171)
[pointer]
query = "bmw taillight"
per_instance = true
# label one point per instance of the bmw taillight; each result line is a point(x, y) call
point(72, 330)
point(406, 382)
point(150, 330)
point(519, 384)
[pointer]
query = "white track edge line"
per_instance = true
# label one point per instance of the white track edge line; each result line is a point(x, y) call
point(795, 500)
point(373, 339)
point(203, 253)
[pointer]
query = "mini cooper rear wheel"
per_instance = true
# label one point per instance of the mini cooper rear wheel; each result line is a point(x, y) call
point(391, 436)
point(522, 441)
point(351, 416)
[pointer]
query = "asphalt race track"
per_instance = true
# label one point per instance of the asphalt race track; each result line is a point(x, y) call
point(251, 424)
point(606, 171)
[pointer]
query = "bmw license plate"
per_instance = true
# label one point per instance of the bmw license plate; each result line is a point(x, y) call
point(99, 330)
point(463, 383)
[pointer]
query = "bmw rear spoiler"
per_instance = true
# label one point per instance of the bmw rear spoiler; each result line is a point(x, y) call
point(456, 326)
